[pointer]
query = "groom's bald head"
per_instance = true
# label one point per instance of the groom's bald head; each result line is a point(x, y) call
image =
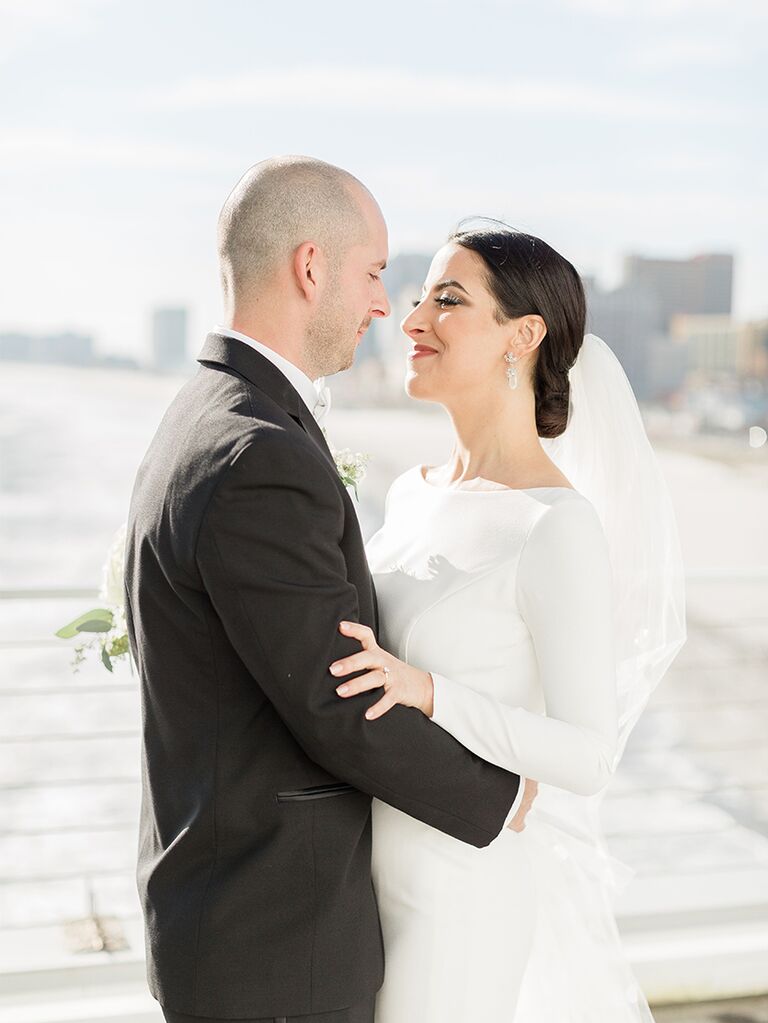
point(280, 203)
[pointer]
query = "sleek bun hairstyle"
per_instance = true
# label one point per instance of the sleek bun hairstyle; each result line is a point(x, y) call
point(527, 276)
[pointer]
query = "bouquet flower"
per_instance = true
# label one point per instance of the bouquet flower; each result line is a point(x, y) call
point(106, 626)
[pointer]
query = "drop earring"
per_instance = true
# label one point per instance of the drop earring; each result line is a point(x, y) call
point(511, 369)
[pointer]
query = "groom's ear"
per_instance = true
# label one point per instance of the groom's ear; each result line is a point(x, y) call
point(308, 268)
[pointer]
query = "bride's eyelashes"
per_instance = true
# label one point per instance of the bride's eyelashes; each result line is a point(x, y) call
point(442, 301)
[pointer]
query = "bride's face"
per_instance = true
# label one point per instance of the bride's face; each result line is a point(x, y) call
point(457, 346)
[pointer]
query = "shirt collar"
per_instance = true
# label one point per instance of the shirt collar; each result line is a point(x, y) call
point(308, 389)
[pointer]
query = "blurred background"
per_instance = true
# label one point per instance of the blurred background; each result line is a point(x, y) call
point(628, 137)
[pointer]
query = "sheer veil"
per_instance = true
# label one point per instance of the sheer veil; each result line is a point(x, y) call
point(578, 971)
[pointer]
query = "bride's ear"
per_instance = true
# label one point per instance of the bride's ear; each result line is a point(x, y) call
point(531, 332)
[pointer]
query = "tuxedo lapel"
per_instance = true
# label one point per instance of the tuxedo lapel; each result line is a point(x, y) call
point(312, 427)
point(219, 349)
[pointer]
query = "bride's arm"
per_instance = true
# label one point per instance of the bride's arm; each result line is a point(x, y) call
point(563, 590)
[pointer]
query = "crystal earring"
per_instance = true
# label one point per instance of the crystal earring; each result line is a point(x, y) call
point(511, 369)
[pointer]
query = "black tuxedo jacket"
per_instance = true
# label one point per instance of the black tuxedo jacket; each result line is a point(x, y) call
point(243, 555)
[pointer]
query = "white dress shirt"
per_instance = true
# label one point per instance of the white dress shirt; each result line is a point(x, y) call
point(315, 394)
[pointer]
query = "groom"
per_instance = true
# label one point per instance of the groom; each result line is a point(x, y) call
point(243, 556)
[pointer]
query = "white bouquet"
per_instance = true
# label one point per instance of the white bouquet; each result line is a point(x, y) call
point(106, 623)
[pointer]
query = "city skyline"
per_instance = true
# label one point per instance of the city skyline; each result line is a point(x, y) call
point(669, 322)
point(628, 129)
point(393, 279)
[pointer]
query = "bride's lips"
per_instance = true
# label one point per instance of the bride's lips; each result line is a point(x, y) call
point(418, 350)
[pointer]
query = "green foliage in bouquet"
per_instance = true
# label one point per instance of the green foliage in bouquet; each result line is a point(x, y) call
point(106, 625)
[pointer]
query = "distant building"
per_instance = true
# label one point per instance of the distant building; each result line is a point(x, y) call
point(627, 318)
point(701, 285)
point(118, 362)
point(753, 362)
point(68, 349)
point(719, 347)
point(16, 347)
point(635, 319)
point(169, 340)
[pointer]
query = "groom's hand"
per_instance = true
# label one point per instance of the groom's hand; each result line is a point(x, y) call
point(518, 821)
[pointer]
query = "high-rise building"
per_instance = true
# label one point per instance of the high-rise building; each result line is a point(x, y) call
point(635, 319)
point(169, 339)
point(700, 285)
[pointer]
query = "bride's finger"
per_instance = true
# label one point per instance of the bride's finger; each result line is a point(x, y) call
point(355, 662)
point(387, 702)
point(362, 632)
point(361, 684)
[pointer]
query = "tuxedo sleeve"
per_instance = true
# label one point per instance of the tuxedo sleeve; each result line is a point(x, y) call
point(563, 588)
point(270, 557)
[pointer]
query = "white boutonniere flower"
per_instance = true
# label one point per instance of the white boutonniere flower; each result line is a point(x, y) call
point(350, 465)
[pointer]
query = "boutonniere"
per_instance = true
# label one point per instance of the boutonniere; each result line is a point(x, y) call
point(350, 465)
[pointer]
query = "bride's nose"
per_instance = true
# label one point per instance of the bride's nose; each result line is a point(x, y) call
point(413, 324)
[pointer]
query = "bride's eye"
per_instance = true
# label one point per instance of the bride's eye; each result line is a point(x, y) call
point(442, 301)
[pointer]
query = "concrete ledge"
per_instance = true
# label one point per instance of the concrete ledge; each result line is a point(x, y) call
point(694, 958)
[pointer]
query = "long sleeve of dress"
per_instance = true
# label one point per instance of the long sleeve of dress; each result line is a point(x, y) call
point(563, 589)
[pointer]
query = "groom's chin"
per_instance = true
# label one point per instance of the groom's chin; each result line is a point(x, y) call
point(347, 360)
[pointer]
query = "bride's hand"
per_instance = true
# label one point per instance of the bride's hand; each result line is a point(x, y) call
point(402, 682)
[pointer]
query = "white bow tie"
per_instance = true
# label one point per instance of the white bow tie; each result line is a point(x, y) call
point(323, 403)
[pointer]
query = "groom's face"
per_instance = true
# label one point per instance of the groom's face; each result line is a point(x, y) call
point(354, 295)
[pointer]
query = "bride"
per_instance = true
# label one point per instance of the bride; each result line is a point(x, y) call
point(531, 598)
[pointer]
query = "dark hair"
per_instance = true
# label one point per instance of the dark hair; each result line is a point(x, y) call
point(525, 276)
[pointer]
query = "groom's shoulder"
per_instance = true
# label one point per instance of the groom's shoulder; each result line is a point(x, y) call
point(219, 407)
point(219, 420)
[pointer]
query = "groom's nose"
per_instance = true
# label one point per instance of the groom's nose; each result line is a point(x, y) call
point(381, 306)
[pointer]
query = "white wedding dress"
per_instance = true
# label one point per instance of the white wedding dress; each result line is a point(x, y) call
point(505, 596)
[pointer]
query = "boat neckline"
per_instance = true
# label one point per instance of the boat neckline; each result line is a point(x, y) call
point(500, 487)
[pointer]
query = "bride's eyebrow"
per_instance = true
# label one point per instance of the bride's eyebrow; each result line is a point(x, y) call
point(449, 284)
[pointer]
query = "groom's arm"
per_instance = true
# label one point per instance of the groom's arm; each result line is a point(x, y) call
point(270, 559)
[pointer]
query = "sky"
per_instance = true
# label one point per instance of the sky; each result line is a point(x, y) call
point(603, 126)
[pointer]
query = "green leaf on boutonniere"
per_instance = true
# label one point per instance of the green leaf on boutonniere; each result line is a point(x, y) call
point(105, 659)
point(98, 620)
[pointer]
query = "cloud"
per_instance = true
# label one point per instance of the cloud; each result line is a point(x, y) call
point(685, 52)
point(23, 21)
point(667, 10)
point(400, 90)
point(68, 150)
